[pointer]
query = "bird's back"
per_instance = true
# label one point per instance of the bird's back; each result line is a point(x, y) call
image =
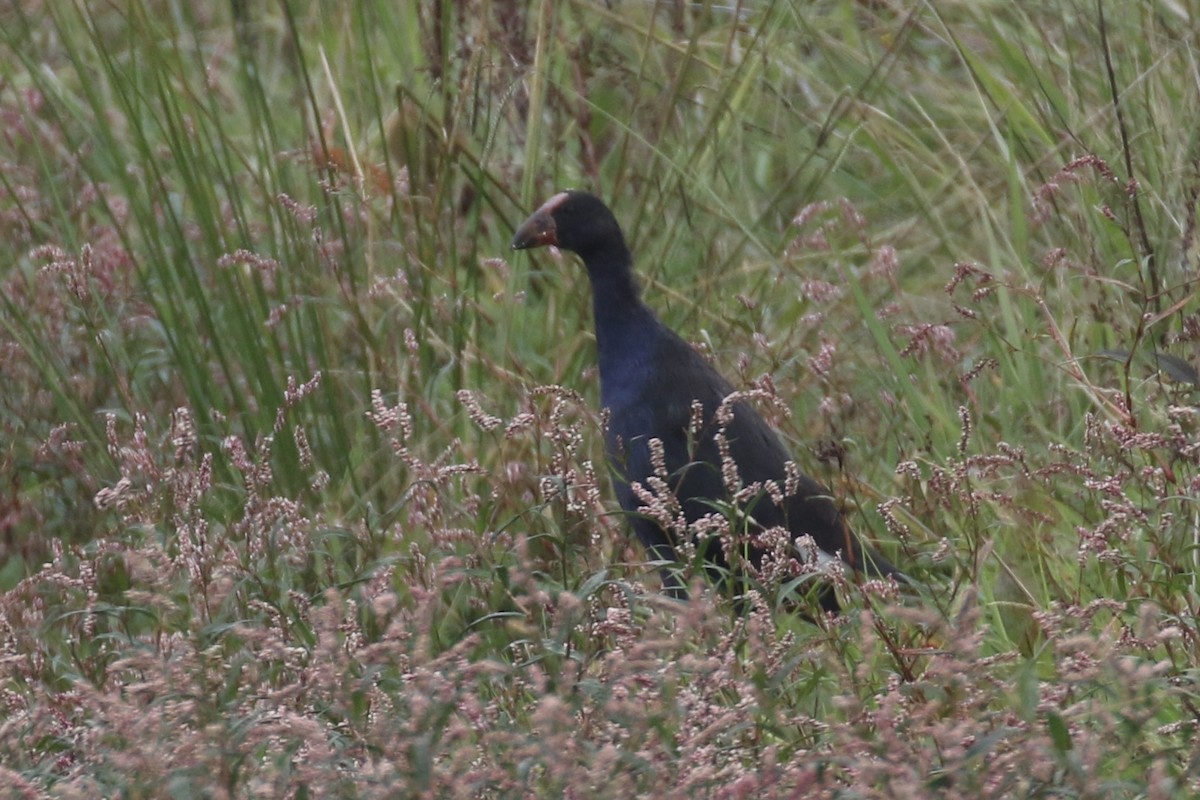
point(650, 395)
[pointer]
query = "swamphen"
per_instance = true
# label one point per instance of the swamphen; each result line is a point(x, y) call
point(650, 381)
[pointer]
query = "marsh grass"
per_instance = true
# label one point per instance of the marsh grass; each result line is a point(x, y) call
point(302, 489)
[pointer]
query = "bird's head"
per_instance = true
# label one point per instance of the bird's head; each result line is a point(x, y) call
point(572, 220)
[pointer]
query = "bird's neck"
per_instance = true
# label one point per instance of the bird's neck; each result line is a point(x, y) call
point(624, 324)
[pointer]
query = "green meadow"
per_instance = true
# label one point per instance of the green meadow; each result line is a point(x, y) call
point(302, 486)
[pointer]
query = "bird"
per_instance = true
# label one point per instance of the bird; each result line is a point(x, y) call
point(673, 420)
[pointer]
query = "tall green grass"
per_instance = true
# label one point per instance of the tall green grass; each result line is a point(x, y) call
point(257, 275)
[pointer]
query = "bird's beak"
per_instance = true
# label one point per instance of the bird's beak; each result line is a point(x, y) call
point(537, 231)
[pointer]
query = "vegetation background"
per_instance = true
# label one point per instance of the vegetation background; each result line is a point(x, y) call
point(301, 492)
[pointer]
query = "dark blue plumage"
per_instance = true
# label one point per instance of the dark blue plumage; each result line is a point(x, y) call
point(649, 380)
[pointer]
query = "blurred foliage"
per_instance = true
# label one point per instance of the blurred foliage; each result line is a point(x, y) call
point(278, 394)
